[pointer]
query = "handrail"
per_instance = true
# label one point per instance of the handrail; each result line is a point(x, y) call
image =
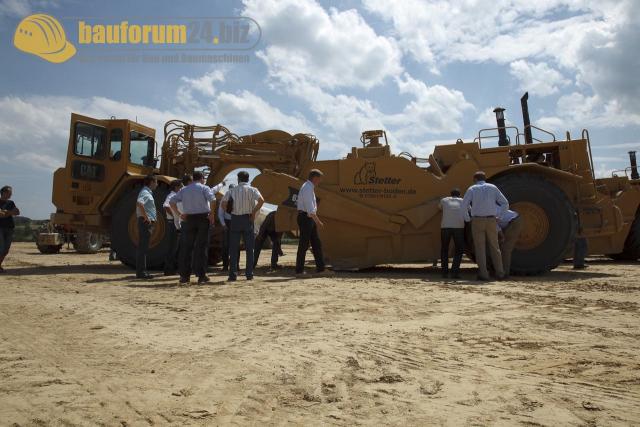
point(585, 136)
point(478, 139)
point(625, 171)
point(544, 131)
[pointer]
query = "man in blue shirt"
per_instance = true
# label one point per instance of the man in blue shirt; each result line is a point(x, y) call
point(198, 209)
point(147, 216)
point(481, 204)
point(510, 225)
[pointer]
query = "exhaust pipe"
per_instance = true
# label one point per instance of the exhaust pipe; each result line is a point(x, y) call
point(528, 138)
point(634, 165)
point(502, 132)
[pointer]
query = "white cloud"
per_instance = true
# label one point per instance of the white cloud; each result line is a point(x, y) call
point(14, 8)
point(327, 49)
point(538, 78)
point(205, 83)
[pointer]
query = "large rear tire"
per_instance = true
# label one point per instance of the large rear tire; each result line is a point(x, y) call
point(550, 222)
point(631, 251)
point(124, 230)
point(87, 242)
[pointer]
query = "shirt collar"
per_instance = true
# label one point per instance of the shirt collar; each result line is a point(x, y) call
point(243, 183)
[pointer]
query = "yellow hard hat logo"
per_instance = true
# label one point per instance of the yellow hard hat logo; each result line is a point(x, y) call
point(42, 35)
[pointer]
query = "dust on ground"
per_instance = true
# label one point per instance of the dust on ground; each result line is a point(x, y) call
point(84, 343)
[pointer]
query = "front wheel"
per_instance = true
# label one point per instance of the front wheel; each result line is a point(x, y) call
point(550, 222)
point(87, 242)
point(124, 230)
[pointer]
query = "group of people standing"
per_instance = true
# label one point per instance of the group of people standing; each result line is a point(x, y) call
point(190, 210)
point(493, 225)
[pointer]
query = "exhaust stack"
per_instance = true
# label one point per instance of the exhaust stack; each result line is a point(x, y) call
point(502, 132)
point(528, 138)
point(634, 165)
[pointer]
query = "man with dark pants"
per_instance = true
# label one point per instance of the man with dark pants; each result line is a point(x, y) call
point(268, 229)
point(451, 227)
point(308, 223)
point(147, 216)
point(172, 226)
point(198, 204)
point(224, 216)
point(247, 200)
point(8, 210)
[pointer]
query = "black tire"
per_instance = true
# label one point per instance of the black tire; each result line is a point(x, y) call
point(631, 251)
point(124, 230)
point(46, 249)
point(49, 249)
point(558, 215)
point(87, 242)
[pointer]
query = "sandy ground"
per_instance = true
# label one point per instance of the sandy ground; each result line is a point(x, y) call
point(83, 343)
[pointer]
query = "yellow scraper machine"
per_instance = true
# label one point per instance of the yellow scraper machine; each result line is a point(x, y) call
point(378, 208)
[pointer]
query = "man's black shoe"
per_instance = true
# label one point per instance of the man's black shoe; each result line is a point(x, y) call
point(143, 276)
point(249, 277)
point(203, 279)
point(232, 279)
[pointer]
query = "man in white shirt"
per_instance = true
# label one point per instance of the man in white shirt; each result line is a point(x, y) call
point(308, 223)
point(451, 227)
point(481, 204)
point(247, 200)
point(172, 226)
point(509, 226)
point(146, 216)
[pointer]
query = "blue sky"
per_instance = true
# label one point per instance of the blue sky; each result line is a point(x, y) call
point(426, 71)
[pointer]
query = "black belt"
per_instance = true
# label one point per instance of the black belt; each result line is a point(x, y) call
point(484, 216)
point(206, 214)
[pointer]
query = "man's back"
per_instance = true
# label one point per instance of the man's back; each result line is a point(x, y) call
point(195, 198)
point(485, 200)
point(452, 216)
point(244, 198)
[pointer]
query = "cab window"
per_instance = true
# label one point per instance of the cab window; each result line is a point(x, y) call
point(89, 140)
point(115, 144)
point(142, 149)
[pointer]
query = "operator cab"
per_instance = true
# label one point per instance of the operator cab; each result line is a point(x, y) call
point(99, 154)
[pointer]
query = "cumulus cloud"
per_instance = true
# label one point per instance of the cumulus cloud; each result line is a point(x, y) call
point(325, 48)
point(538, 78)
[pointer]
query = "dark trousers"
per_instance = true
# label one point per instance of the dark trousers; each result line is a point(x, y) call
point(580, 250)
point(446, 235)
point(6, 238)
point(144, 233)
point(308, 235)
point(275, 249)
point(171, 258)
point(195, 237)
point(241, 226)
point(225, 246)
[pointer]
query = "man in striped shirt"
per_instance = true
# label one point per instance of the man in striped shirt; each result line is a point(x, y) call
point(247, 200)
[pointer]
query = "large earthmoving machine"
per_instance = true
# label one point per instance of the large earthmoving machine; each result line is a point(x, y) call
point(107, 160)
point(378, 208)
